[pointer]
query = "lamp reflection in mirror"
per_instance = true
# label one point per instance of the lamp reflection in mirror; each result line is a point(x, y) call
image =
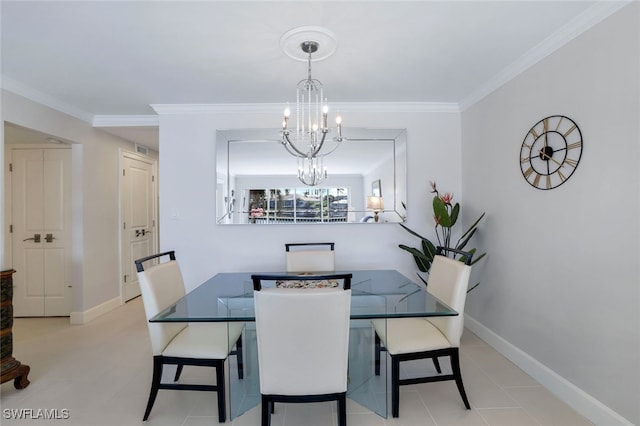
point(376, 204)
point(307, 142)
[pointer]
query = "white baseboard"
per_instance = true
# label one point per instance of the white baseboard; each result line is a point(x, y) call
point(566, 391)
point(95, 312)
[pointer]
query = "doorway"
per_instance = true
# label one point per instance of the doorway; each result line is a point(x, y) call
point(40, 230)
point(138, 213)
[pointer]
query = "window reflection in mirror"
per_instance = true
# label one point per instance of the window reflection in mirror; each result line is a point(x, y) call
point(298, 205)
point(257, 179)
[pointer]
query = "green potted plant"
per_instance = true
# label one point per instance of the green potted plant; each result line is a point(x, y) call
point(445, 215)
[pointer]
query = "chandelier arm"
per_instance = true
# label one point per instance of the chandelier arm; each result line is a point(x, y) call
point(292, 152)
point(317, 150)
point(290, 146)
point(324, 154)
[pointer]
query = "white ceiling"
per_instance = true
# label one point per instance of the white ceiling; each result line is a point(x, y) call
point(100, 59)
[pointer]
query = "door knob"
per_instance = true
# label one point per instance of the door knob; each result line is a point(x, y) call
point(49, 238)
point(142, 232)
point(36, 238)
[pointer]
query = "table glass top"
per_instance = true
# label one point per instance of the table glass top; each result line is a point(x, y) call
point(374, 294)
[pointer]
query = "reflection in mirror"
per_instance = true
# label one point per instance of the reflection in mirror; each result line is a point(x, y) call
point(257, 180)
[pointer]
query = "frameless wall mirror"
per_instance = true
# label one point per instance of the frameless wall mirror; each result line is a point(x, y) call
point(257, 179)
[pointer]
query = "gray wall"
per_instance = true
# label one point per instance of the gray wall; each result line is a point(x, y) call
point(561, 281)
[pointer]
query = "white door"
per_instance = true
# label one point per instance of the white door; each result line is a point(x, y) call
point(41, 237)
point(138, 231)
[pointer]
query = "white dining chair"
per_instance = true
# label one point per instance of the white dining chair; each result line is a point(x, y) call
point(180, 344)
point(407, 339)
point(310, 257)
point(303, 345)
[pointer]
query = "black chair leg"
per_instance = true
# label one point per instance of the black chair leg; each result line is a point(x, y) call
point(265, 416)
point(455, 367)
point(436, 364)
point(222, 407)
point(395, 387)
point(155, 385)
point(178, 372)
point(378, 344)
point(342, 410)
point(239, 358)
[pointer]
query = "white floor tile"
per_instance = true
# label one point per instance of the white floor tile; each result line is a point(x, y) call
point(507, 417)
point(101, 373)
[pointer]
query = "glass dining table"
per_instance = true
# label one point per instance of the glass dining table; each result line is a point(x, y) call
point(228, 297)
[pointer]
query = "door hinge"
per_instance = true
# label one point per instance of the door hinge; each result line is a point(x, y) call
point(125, 278)
point(124, 225)
point(10, 167)
point(123, 170)
point(153, 178)
point(11, 229)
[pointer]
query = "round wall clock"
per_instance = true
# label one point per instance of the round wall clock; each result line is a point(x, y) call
point(550, 152)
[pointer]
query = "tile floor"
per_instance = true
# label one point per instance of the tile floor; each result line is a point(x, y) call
point(100, 372)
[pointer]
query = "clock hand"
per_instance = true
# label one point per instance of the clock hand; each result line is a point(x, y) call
point(544, 149)
point(544, 154)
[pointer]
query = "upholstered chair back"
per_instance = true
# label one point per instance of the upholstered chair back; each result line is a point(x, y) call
point(303, 340)
point(161, 285)
point(310, 260)
point(448, 281)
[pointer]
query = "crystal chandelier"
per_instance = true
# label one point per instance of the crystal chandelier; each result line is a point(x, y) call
point(308, 141)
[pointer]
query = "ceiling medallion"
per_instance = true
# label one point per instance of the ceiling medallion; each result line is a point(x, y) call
point(291, 40)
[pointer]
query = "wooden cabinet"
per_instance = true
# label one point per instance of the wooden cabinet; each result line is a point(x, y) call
point(10, 368)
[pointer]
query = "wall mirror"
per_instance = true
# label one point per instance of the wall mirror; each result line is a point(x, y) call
point(257, 179)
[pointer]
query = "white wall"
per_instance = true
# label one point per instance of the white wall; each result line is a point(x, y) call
point(188, 194)
point(95, 200)
point(561, 281)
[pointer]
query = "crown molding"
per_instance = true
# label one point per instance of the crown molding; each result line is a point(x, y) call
point(27, 92)
point(214, 108)
point(398, 107)
point(125, 121)
point(271, 108)
point(580, 24)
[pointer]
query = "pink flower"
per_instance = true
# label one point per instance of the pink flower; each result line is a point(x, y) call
point(257, 212)
point(446, 198)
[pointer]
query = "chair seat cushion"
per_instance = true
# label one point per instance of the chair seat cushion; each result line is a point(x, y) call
point(409, 335)
point(204, 340)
